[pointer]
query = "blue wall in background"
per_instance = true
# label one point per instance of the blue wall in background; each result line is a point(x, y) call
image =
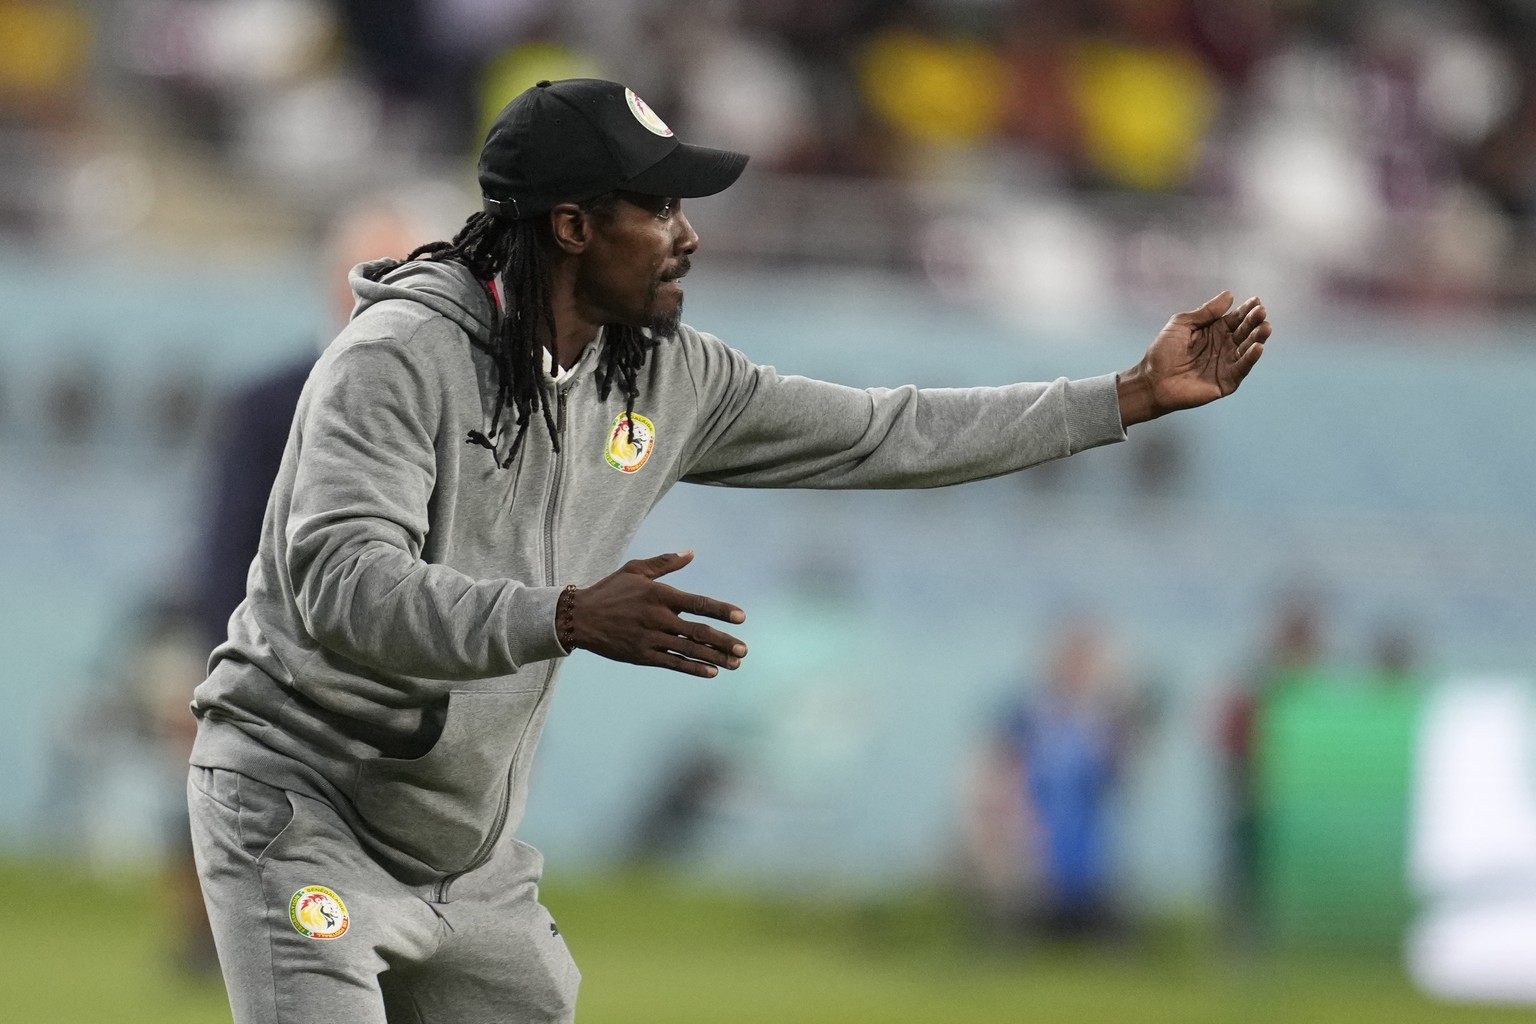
point(1385, 465)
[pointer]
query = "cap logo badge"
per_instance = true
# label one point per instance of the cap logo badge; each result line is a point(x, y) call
point(624, 454)
point(646, 116)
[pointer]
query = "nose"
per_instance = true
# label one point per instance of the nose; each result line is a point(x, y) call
point(687, 239)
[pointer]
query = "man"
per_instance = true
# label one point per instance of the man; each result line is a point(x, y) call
point(467, 464)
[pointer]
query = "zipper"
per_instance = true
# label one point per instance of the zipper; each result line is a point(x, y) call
point(440, 891)
point(554, 489)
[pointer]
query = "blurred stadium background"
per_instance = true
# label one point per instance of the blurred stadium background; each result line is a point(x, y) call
point(1284, 643)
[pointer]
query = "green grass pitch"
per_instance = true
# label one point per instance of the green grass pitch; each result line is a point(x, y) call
point(97, 951)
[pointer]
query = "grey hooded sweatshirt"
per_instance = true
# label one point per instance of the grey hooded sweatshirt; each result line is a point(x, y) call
point(397, 650)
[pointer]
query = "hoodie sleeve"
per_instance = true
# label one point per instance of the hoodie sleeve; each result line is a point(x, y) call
point(758, 429)
point(358, 520)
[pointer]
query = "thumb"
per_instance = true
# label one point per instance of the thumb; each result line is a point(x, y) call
point(659, 565)
point(1210, 311)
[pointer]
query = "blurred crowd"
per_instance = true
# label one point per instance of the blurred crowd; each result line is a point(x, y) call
point(1382, 151)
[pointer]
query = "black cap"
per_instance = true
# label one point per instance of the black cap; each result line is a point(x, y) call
point(567, 141)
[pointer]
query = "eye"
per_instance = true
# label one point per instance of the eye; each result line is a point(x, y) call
point(667, 206)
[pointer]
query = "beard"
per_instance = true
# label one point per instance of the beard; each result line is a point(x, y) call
point(661, 322)
point(664, 325)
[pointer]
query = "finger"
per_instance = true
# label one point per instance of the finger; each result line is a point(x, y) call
point(1246, 361)
point(701, 633)
point(1258, 336)
point(658, 565)
point(1250, 322)
point(678, 663)
point(703, 652)
point(1235, 317)
point(697, 604)
point(1208, 313)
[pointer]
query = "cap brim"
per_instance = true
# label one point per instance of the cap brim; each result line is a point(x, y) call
point(689, 172)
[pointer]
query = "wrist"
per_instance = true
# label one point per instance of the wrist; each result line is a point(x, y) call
point(565, 618)
point(1134, 389)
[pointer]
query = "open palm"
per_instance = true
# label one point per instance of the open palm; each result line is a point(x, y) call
point(1203, 354)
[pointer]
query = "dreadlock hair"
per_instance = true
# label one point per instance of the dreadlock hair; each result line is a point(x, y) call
point(520, 252)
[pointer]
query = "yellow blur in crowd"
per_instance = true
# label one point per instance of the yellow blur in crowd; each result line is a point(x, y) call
point(1139, 114)
point(46, 51)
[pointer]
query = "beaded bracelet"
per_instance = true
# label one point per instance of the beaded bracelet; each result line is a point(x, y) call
point(565, 618)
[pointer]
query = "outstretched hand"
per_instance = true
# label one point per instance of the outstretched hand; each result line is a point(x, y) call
point(629, 616)
point(1200, 356)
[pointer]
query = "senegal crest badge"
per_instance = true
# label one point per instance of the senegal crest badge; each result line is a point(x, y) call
point(627, 454)
point(318, 913)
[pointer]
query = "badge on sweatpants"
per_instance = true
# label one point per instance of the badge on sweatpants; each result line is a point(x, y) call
point(318, 913)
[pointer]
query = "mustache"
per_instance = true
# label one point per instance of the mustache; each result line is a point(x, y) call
point(683, 266)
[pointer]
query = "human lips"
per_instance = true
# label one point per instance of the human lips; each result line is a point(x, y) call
point(679, 271)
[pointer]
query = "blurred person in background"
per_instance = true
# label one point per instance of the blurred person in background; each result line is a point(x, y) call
point(248, 443)
point(669, 824)
point(998, 871)
point(1292, 649)
point(168, 662)
point(134, 714)
point(469, 461)
point(1043, 800)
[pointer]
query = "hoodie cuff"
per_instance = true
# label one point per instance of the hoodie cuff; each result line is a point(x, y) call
point(1093, 413)
point(533, 635)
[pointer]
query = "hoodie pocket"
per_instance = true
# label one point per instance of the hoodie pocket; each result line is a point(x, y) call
point(441, 807)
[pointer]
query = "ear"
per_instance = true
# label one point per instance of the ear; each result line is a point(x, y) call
point(571, 227)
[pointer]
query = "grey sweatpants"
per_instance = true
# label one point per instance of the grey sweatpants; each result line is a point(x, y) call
point(310, 928)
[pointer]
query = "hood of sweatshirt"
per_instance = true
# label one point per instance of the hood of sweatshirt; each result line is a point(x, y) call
point(446, 287)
